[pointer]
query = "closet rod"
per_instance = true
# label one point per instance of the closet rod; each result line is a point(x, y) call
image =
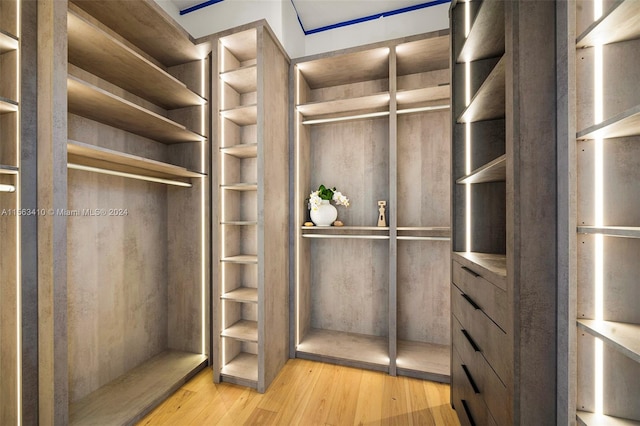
point(128, 175)
point(7, 188)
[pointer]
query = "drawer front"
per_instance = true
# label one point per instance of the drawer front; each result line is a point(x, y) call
point(493, 391)
point(488, 337)
point(489, 297)
point(468, 401)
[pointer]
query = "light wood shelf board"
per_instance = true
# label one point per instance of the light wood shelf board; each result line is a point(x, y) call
point(345, 237)
point(8, 42)
point(426, 359)
point(242, 80)
point(348, 117)
point(148, 27)
point(248, 150)
point(95, 156)
point(244, 330)
point(620, 23)
point(489, 101)
point(486, 37)
point(346, 68)
point(591, 419)
point(7, 105)
point(418, 238)
point(243, 258)
point(244, 366)
point(345, 348)
point(612, 231)
point(426, 94)
point(243, 186)
point(344, 228)
point(624, 337)
point(494, 171)
point(344, 105)
point(8, 170)
point(97, 52)
point(493, 263)
point(436, 229)
point(132, 395)
point(624, 124)
point(99, 105)
point(243, 115)
point(242, 294)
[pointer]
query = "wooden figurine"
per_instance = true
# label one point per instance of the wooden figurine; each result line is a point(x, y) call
point(382, 221)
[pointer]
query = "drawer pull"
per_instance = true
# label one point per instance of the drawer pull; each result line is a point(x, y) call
point(470, 340)
point(468, 413)
point(471, 271)
point(470, 300)
point(471, 381)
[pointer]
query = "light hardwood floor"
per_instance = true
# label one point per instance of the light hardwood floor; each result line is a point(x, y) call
point(309, 393)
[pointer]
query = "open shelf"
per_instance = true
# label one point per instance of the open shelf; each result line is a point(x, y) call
point(97, 52)
point(132, 395)
point(244, 330)
point(247, 150)
point(592, 419)
point(242, 294)
point(346, 232)
point(8, 170)
point(244, 186)
point(242, 80)
point(626, 123)
point(624, 337)
point(95, 156)
point(354, 350)
point(244, 366)
point(242, 258)
point(243, 115)
point(99, 105)
point(486, 37)
point(144, 24)
point(494, 171)
point(426, 361)
point(489, 101)
point(621, 22)
point(8, 42)
point(362, 103)
point(7, 105)
point(611, 231)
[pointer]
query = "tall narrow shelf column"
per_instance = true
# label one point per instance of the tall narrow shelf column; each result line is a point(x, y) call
point(607, 213)
point(251, 292)
point(504, 212)
point(373, 122)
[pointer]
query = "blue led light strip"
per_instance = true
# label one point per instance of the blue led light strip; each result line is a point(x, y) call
point(370, 17)
point(199, 6)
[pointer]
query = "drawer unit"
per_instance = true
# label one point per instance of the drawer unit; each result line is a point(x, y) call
point(489, 297)
point(467, 397)
point(493, 391)
point(490, 339)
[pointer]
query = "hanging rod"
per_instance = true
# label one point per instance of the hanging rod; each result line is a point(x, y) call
point(7, 188)
point(128, 175)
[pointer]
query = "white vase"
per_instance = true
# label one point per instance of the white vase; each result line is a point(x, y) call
point(325, 215)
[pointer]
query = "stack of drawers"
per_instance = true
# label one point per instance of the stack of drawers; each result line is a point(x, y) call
point(481, 352)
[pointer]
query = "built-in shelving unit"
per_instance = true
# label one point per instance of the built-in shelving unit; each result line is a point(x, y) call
point(10, 205)
point(607, 214)
point(250, 291)
point(136, 117)
point(373, 121)
point(503, 283)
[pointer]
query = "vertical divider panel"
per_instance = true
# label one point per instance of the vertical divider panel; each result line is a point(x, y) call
point(392, 209)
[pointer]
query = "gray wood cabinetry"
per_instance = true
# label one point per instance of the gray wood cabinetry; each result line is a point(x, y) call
point(607, 130)
point(124, 283)
point(504, 212)
point(373, 122)
point(251, 321)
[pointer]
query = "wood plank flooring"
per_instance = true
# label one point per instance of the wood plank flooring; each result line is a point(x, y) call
point(309, 393)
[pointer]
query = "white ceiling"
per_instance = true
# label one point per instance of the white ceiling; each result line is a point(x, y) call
point(316, 14)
